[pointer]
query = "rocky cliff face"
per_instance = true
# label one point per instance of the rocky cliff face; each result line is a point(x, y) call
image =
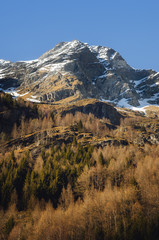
point(75, 70)
point(98, 109)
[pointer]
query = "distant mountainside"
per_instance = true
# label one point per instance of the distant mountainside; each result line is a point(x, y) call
point(74, 70)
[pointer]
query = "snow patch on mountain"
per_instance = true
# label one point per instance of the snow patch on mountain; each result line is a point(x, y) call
point(12, 91)
point(101, 54)
point(113, 56)
point(141, 81)
point(155, 84)
point(33, 100)
point(4, 62)
point(144, 103)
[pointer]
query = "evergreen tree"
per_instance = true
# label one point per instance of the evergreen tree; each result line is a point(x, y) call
point(101, 159)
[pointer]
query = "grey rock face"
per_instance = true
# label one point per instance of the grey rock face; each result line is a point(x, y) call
point(100, 110)
point(57, 95)
point(74, 69)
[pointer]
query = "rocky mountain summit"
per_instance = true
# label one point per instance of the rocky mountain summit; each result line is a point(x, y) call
point(75, 70)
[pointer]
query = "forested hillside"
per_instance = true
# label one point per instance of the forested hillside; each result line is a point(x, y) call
point(70, 174)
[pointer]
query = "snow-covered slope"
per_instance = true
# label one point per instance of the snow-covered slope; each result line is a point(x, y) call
point(75, 70)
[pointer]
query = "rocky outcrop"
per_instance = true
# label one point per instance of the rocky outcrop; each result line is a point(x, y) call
point(99, 110)
point(57, 95)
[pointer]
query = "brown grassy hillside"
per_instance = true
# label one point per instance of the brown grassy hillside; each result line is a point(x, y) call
point(66, 173)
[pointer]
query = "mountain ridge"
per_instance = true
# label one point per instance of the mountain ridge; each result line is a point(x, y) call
point(75, 70)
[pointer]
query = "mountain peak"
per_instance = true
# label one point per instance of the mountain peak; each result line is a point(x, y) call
point(75, 70)
point(4, 62)
point(64, 48)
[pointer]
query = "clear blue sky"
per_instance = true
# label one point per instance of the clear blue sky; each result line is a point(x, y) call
point(31, 27)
